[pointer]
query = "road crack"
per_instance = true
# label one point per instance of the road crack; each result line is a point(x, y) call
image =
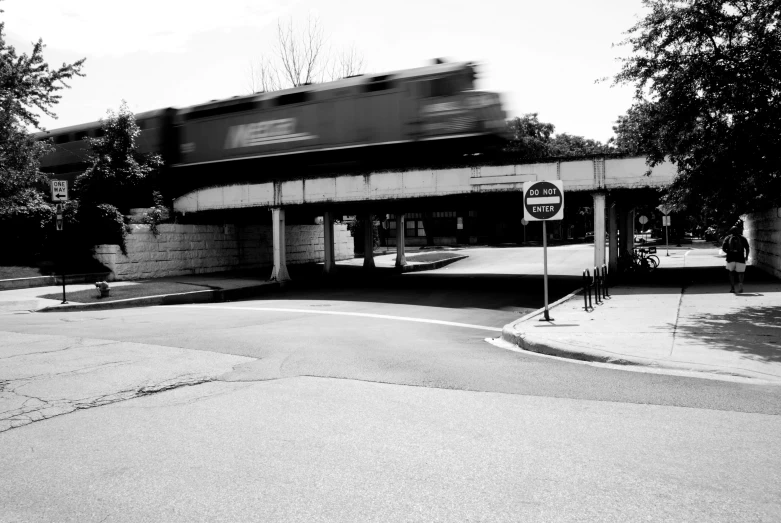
point(33, 408)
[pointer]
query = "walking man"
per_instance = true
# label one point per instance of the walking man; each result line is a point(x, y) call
point(736, 247)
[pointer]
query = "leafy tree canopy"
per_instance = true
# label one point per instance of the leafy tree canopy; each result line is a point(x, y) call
point(707, 75)
point(118, 173)
point(532, 139)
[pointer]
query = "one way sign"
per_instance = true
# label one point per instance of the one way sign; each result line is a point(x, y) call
point(59, 190)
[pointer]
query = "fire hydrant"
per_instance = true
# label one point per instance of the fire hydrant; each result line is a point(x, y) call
point(102, 288)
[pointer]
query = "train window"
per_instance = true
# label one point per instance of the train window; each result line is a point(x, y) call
point(141, 124)
point(99, 132)
point(80, 135)
point(292, 98)
point(442, 87)
point(63, 138)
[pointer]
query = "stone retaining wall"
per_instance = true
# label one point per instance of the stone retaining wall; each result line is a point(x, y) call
point(763, 231)
point(198, 249)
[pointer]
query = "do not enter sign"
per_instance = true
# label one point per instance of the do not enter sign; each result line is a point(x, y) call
point(543, 200)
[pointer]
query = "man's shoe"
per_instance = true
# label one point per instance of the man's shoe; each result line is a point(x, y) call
point(732, 290)
point(740, 289)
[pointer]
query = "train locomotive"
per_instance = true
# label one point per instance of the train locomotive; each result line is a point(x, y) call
point(403, 119)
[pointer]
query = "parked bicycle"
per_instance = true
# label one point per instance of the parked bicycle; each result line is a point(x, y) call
point(641, 261)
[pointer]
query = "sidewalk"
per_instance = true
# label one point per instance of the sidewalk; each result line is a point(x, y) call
point(696, 327)
point(215, 287)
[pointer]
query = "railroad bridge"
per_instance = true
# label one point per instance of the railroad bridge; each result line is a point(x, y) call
point(609, 181)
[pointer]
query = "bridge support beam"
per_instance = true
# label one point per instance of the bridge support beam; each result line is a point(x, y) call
point(612, 264)
point(329, 266)
point(626, 220)
point(599, 228)
point(279, 272)
point(401, 260)
point(368, 241)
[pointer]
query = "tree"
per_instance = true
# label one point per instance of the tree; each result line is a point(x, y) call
point(27, 87)
point(119, 173)
point(532, 139)
point(301, 58)
point(569, 145)
point(707, 76)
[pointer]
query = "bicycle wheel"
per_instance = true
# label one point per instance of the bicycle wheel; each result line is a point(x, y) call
point(655, 259)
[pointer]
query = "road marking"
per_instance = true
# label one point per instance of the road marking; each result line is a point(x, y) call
point(337, 313)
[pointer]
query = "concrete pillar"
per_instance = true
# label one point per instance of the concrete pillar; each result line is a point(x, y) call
point(329, 266)
point(626, 223)
point(612, 265)
point(401, 260)
point(279, 272)
point(599, 228)
point(368, 242)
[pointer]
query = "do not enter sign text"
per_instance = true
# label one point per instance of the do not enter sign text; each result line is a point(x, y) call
point(543, 200)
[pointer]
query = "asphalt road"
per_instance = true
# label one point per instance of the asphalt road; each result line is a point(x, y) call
point(385, 401)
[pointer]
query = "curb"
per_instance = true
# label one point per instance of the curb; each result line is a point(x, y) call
point(428, 266)
point(566, 351)
point(47, 281)
point(206, 296)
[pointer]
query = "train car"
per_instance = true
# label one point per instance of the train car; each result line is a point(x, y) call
point(69, 157)
point(403, 119)
point(285, 133)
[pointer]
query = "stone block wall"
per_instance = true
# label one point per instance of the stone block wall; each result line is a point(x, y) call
point(763, 231)
point(198, 249)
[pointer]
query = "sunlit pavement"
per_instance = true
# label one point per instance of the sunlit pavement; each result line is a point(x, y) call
point(233, 412)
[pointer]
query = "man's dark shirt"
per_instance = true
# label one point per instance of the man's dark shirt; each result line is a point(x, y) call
point(739, 256)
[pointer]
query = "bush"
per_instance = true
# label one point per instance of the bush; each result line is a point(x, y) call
point(26, 222)
point(159, 214)
point(103, 223)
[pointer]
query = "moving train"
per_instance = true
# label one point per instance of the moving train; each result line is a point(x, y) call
point(402, 119)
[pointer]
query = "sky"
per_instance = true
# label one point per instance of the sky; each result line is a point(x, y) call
point(543, 56)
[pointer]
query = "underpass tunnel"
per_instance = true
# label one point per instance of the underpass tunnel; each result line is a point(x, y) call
point(605, 217)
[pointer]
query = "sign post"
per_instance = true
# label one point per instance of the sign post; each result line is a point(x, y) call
point(543, 201)
point(643, 220)
point(666, 223)
point(59, 195)
point(524, 223)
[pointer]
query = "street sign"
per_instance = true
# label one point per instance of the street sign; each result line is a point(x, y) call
point(665, 209)
point(643, 220)
point(59, 190)
point(543, 200)
point(665, 221)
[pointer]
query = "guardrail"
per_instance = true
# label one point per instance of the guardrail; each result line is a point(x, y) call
point(598, 283)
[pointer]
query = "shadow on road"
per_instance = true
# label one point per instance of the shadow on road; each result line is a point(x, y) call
point(384, 285)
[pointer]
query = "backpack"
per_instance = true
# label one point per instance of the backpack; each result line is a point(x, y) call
point(734, 245)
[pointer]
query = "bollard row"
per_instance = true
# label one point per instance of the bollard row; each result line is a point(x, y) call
point(598, 284)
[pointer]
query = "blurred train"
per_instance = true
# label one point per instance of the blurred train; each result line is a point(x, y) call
point(403, 119)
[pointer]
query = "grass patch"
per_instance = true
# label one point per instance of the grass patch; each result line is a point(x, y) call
point(432, 257)
point(140, 290)
point(10, 272)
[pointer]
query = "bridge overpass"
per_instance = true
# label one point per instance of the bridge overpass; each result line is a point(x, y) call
point(599, 176)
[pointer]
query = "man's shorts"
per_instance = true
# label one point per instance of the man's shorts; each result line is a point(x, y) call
point(736, 266)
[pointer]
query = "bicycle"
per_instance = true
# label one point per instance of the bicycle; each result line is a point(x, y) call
point(644, 260)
